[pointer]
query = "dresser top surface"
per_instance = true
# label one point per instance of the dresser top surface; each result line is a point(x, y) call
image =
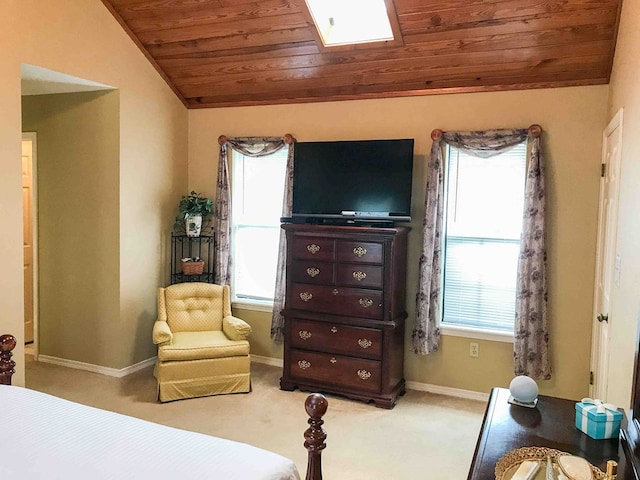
point(344, 229)
point(551, 424)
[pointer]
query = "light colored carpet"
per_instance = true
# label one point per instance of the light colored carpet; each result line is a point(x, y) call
point(425, 436)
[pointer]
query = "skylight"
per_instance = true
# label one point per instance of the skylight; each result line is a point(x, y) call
point(344, 22)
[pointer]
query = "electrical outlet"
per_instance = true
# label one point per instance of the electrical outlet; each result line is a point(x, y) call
point(474, 349)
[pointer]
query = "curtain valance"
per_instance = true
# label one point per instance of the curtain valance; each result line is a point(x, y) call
point(531, 334)
point(251, 147)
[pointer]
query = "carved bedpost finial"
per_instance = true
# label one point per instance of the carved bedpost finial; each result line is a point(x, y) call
point(436, 135)
point(288, 138)
point(316, 406)
point(535, 130)
point(7, 343)
point(222, 139)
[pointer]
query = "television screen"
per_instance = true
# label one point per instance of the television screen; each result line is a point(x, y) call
point(361, 179)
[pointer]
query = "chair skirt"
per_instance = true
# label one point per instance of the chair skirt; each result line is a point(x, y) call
point(178, 380)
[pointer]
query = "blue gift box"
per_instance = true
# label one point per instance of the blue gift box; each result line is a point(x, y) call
point(597, 421)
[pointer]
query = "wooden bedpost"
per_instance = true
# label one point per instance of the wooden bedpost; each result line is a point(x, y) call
point(7, 343)
point(316, 406)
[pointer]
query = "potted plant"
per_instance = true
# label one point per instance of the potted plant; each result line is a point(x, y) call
point(191, 210)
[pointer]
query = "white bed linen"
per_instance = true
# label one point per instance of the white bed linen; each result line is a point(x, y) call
point(45, 437)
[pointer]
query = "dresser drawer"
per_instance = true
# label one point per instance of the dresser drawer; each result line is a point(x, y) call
point(319, 249)
point(359, 252)
point(336, 370)
point(336, 338)
point(351, 302)
point(360, 276)
point(308, 271)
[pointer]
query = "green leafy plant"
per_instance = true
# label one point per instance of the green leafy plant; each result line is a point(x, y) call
point(193, 204)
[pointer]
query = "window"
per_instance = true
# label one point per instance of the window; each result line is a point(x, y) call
point(483, 224)
point(257, 186)
point(342, 22)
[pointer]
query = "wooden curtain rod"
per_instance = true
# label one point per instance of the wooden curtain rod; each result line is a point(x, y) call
point(534, 131)
point(287, 137)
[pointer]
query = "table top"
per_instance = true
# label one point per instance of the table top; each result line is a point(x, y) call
point(551, 424)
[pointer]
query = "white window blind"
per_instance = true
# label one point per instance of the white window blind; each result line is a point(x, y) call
point(483, 217)
point(257, 186)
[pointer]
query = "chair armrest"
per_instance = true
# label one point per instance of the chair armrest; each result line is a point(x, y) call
point(235, 328)
point(161, 332)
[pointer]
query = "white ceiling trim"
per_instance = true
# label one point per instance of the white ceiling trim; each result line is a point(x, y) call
point(42, 81)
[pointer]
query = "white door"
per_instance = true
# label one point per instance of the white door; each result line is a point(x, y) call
point(28, 195)
point(607, 264)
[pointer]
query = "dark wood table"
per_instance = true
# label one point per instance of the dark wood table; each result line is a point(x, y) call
point(551, 424)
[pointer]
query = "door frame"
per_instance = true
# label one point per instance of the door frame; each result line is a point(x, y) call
point(33, 137)
point(596, 388)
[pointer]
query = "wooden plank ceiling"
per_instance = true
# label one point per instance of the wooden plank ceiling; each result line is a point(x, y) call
point(216, 53)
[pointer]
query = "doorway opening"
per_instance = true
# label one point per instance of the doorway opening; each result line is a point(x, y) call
point(55, 109)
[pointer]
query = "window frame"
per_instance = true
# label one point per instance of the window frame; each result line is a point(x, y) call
point(468, 331)
point(248, 302)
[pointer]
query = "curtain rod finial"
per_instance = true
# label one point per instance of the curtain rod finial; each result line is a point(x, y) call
point(535, 130)
point(436, 135)
point(288, 138)
point(222, 139)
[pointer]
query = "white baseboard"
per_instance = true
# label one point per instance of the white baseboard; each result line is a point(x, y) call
point(89, 367)
point(421, 387)
point(449, 391)
point(274, 362)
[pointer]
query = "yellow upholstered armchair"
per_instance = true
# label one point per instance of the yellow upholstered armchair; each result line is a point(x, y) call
point(202, 349)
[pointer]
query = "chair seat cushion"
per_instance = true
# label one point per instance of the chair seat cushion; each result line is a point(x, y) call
point(201, 345)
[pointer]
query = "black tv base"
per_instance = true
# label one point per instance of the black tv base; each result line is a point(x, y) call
point(349, 222)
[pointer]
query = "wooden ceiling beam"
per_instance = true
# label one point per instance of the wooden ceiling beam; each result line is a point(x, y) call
point(466, 14)
point(251, 40)
point(513, 26)
point(437, 88)
point(474, 62)
point(238, 28)
point(170, 14)
point(393, 79)
point(323, 65)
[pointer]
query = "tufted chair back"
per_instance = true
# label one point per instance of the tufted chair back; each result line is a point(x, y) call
point(194, 307)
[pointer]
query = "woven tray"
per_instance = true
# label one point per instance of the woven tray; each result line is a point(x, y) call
point(192, 268)
point(510, 461)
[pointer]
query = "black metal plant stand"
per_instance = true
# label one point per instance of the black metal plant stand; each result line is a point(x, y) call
point(183, 246)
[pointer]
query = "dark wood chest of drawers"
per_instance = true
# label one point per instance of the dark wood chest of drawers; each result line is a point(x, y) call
point(345, 311)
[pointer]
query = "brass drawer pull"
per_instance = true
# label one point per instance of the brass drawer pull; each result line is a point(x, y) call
point(365, 302)
point(334, 330)
point(363, 374)
point(363, 342)
point(306, 296)
point(359, 251)
point(359, 276)
point(333, 360)
point(313, 248)
point(312, 271)
point(303, 364)
point(304, 334)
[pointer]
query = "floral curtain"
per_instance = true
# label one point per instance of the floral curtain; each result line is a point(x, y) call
point(531, 333)
point(426, 332)
point(277, 320)
point(251, 147)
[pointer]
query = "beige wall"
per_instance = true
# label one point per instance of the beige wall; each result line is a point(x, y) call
point(625, 93)
point(573, 119)
point(78, 227)
point(81, 38)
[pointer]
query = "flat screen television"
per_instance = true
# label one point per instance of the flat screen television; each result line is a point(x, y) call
point(356, 181)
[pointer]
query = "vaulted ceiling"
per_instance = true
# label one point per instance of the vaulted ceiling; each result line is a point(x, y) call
point(217, 53)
